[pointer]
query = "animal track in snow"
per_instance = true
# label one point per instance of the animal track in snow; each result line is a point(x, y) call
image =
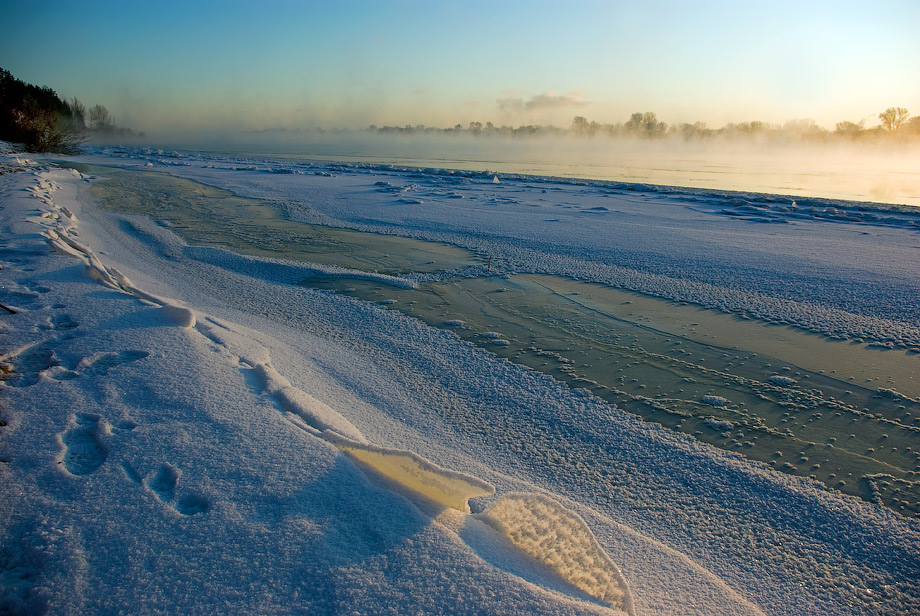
point(18, 296)
point(30, 286)
point(164, 483)
point(192, 504)
point(131, 474)
point(84, 451)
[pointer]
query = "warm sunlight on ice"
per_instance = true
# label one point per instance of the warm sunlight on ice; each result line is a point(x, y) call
point(560, 539)
point(449, 488)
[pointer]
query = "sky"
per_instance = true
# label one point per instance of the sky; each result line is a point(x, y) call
point(210, 66)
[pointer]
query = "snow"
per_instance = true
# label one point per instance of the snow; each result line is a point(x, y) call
point(185, 430)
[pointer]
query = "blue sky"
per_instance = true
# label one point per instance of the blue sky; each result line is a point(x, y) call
point(222, 64)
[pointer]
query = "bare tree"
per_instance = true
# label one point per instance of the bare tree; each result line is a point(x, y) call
point(77, 112)
point(893, 117)
point(99, 118)
point(646, 124)
point(580, 125)
point(913, 125)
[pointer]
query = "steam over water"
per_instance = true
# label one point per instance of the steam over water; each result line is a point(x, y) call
point(880, 172)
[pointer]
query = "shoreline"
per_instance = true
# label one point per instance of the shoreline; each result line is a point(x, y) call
point(491, 167)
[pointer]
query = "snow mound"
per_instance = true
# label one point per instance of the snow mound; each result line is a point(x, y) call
point(182, 317)
point(554, 536)
point(316, 414)
point(450, 488)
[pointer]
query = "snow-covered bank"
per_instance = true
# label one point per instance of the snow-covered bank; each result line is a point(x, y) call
point(164, 452)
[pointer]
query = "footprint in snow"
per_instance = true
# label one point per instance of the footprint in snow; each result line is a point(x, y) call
point(28, 365)
point(32, 363)
point(100, 363)
point(60, 321)
point(84, 451)
point(17, 297)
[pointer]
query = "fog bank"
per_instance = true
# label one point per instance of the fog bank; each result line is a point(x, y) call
point(881, 171)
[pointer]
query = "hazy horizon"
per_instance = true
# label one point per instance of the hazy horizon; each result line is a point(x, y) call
point(210, 67)
point(880, 171)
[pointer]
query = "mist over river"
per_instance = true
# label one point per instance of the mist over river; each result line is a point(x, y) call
point(879, 172)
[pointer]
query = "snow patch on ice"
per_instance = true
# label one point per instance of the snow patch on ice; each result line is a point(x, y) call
point(718, 424)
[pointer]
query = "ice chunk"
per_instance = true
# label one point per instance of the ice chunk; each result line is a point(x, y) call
point(551, 534)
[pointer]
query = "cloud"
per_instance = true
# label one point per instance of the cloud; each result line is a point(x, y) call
point(547, 101)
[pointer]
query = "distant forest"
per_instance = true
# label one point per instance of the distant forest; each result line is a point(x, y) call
point(896, 124)
point(40, 120)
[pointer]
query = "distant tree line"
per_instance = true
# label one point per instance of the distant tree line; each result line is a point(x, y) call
point(40, 120)
point(895, 123)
